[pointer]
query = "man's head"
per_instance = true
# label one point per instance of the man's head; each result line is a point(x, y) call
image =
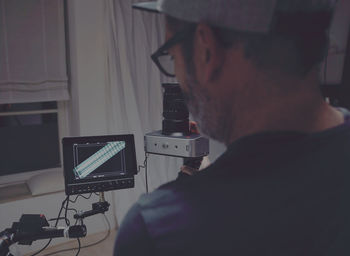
point(236, 51)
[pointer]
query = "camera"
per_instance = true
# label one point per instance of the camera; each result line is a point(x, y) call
point(175, 139)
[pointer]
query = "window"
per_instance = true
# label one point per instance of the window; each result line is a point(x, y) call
point(29, 137)
point(33, 87)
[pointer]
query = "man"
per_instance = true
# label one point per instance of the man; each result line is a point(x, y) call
point(249, 72)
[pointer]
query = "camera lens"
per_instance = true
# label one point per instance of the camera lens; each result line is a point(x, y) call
point(175, 111)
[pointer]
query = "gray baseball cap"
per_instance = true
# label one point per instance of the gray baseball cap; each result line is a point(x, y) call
point(240, 15)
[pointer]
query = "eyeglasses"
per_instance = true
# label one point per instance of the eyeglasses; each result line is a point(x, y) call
point(163, 59)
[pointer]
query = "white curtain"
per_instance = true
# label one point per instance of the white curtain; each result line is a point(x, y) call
point(134, 91)
point(32, 51)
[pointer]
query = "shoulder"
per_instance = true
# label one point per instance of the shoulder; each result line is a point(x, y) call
point(175, 192)
point(166, 195)
point(133, 231)
point(168, 209)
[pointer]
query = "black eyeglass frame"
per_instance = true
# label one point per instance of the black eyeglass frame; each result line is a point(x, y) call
point(163, 50)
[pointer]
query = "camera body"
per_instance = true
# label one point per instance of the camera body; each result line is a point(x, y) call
point(175, 138)
point(193, 145)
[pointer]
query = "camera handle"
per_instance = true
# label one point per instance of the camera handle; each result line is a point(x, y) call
point(100, 207)
point(193, 162)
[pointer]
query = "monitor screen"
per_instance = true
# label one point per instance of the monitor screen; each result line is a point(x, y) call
point(97, 162)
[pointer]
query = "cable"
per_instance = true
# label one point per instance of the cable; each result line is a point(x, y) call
point(144, 166)
point(80, 195)
point(86, 246)
point(79, 247)
point(65, 213)
point(65, 218)
point(72, 209)
point(146, 177)
point(58, 218)
point(144, 163)
point(61, 218)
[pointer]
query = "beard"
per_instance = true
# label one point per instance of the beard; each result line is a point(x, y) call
point(209, 113)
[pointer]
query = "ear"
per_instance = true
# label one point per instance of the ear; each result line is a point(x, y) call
point(208, 53)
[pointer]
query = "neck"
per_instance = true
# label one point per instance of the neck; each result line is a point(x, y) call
point(271, 109)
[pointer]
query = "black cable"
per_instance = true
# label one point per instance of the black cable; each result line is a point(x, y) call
point(146, 176)
point(79, 247)
point(54, 219)
point(86, 246)
point(72, 209)
point(58, 218)
point(80, 195)
point(65, 218)
point(65, 213)
point(144, 166)
point(61, 218)
point(144, 163)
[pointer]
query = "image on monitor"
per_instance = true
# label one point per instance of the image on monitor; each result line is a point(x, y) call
point(97, 160)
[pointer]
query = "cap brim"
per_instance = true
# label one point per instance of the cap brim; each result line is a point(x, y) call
point(147, 6)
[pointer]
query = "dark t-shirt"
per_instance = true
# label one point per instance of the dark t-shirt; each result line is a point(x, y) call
point(276, 193)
